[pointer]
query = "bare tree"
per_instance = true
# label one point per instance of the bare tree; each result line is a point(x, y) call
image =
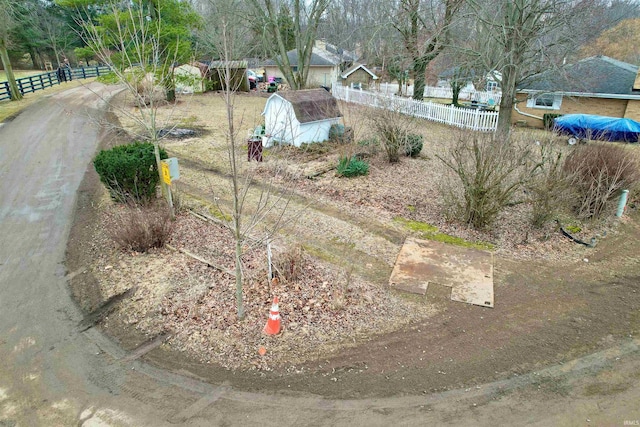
point(55, 32)
point(359, 25)
point(130, 43)
point(520, 38)
point(257, 210)
point(424, 28)
point(306, 19)
point(6, 24)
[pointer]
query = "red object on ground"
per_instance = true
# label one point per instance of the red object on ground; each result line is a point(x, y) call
point(273, 324)
point(254, 149)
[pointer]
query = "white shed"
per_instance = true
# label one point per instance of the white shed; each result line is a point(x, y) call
point(298, 117)
point(188, 79)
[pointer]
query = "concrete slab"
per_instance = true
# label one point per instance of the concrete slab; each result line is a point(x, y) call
point(469, 272)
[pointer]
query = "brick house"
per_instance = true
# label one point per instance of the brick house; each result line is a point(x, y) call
point(597, 85)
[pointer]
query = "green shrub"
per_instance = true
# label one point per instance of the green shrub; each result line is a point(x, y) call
point(351, 166)
point(336, 131)
point(109, 79)
point(413, 145)
point(129, 171)
point(341, 133)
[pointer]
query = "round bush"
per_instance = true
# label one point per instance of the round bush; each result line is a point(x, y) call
point(129, 171)
point(351, 166)
point(413, 145)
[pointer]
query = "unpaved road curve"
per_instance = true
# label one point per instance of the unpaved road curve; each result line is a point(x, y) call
point(53, 373)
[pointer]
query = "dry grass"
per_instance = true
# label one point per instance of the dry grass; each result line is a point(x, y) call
point(599, 172)
point(204, 113)
point(140, 228)
point(409, 189)
point(324, 305)
point(18, 74)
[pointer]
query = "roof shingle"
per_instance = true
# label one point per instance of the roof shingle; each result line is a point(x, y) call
point(312, 105)
point(597, 74)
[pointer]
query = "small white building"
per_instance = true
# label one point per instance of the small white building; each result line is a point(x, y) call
point(298, 117)
point(188, 79)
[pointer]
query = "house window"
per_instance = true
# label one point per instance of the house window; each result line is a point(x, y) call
point(545, 101)
point(492, 86)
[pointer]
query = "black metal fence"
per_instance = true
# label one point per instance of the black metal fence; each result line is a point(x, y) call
point(48, 79)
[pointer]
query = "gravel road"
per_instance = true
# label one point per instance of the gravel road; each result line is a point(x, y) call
point(54, 373)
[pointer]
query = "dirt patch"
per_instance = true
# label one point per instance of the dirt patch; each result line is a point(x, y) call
point(554, 300)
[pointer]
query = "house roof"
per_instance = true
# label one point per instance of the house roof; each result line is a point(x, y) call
point(311, 105)
point(223, 64)
point(326, 56)
point(594, 75)
point(356, 67)
point(317, 59)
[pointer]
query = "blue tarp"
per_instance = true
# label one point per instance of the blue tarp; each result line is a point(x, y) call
point(598, 127)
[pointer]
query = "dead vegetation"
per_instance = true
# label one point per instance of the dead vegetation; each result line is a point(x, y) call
point(598, 173)
point(140, 227)
point(322, 308)
point(325, 305)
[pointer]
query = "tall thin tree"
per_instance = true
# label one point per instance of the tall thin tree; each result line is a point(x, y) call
point(7, 22)
point(307, 15)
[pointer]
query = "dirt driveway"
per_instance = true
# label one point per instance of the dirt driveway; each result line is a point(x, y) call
point(57, 370)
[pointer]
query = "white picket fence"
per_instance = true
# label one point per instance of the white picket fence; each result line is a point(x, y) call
point(466, 118)
point(443, 92)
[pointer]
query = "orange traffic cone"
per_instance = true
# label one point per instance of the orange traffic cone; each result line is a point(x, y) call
point(273, 324)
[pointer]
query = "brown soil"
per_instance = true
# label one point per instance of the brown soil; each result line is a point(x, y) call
point(554, 300)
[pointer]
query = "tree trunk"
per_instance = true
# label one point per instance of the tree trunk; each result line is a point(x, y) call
point(8, 69)
point(238, 270)
point(35, 59)
point(170, 86)
point(171, 95)
point(419, 71)
point(506, 102)
point(455, 93)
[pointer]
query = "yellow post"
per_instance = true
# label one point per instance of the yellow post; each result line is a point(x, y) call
point(166, 177)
